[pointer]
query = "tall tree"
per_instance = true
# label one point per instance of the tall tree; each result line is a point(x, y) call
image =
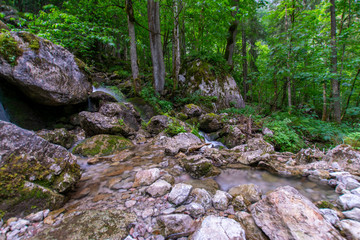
point(155, 45)
point(176, 44)
point(232, 32)
point(335, 86)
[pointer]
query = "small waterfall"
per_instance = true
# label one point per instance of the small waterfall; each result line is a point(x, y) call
point(213, 144)
point(3, 114)
point(116, 94)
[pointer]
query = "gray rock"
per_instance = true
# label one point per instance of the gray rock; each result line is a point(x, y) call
point(168, 211)
point(330, 215)
point(158, 188)
point(349, 201)
point(239, 202)
point(286, 214)
point(252, 231)
point(176, 224)
point(36, 217)
point(179, 193)
point(130, 203)
point(59, 136)
point(221, 200)
point(146, 177)
point(250, 192)
point(356, 191)
point(147, 213)
point(180, 142)
point(202, 197)
point(157, 124)
point(346, 157)
point(219, 228)
point(309, 155)
point(349, 182)
point(353, 214)
point(351, 229)
point(19, 224)
point(196, 210)
point(198, 166)
point(48, 73)
point(192, 110)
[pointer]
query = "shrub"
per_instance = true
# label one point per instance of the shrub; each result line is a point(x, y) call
point(353, 139)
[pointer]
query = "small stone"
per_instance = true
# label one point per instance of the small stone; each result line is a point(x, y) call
point(130, 203)
point(196, 210)
point(221, 200)
point(202, 196)
point(179, 193)
point(250, 192)
point(176, 223)
point(239, 203)
point(158, 188)
point(351, 228)
point(354, 214)
point(146, 177)
point(168, 211)
point(147, 213)
point(36, 217)
point(349, 201)
point(330, 215)
point(19, 224)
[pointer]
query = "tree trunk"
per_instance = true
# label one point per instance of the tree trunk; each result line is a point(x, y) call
point(324, 112)
point(333, 67)
point(351, 92)
point(245, 63)
point(133, 54)
point(288, 79)
point(176, 45)
point(231, 40)
point(155, 46)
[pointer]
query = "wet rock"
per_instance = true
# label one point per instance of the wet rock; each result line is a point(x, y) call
point(221, 200)
point(346, 157)
point(353, 214)
point(309, 155)
point(198, 166)
point(210, 122)
point(286, 214)
point(202, 197)
point(146, 177)
point(198, 78)
point(192, 110)
point(158, 188)
point(349, 201)
point(250, 192)
point(176, 224)
point(179, 193)
point(349, 182)
point(252, 231)
point(102, 145)
point(351, 229)
point(158, 124)
point(59, 136)
point(180, 142)
point(232, 135)
point(219, 228)
point(330, 215)
point(90, 224)
point(45, 72)
point(31, 157)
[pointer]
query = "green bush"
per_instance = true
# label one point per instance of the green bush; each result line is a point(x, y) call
point(353, 139)
point(174, 127)
point(160, 105)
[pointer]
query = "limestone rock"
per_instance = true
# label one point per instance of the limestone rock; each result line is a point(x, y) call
point(305, 156)
point(219, 228)
point(286, 214)
point(180, 142)
point(353, 214)
point(47, 73)
point(210, 122)
point(146, 177)
point(351, 229)
point(349, 201)
point(250, 192)
point(196, 210)
point(232, 135)
point(202, 197)
point(157, 124)
point(252, 231)
point(221, 200)
point(197, 77)
point(102, 145)
point(179, 193)
point(198, 166)
point(346, 157)
point(158, 188)
point(192, 110)
point(31, 157)
point(330, 215)
point(58, 136)
point(176, 224)
point(98, 97)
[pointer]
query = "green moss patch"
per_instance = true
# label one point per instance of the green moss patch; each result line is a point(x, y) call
point(102, 145)
point(9, 48)
point(31, 39)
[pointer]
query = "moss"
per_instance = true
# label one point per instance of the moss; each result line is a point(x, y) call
point(82, 66)
point(31, 39)
point(9, 48)
point(325, 204)
point(174, 127)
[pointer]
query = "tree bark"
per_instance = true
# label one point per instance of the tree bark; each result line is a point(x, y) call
point(333, 67)
point(231, 40)
point(244, 61)
point(176, 45)
point(288, 79)
point(324, 112)
point(133, 53)
point(155, 46)
point(351, 92)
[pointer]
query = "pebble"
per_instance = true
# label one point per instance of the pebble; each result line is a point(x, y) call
point(130, 203)
point(147, 213)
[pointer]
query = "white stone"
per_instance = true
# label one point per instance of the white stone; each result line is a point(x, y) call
point(221, 200)
point(349, 201)
point(158, 188)
point(130, 203)
point(147, 213)
point(219, 228)
point(351, 229)
point(36, 217)
point(356, 191)
point(330, 215)
point(19, 224)
point(146, 177)
point(349, 182)
point(354, 214)
point(202, 197)
point(179, 193)
point(196, 210)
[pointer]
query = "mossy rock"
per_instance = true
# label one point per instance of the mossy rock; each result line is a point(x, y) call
point(198, 167)
point(58, 136)
point(31, 39)
point(4, 26)
point(9, 48)
point(211, 122)
point(102, 145)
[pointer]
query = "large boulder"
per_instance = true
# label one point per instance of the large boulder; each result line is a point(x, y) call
point(47, 73)
point(211, 122)
point(286, 214)
point(32, 168)
point(157, 124)
point(180, 142)
point(347, 157)
point(198, 77)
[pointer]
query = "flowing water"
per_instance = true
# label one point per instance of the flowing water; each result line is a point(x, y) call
point(315, 191)
point(116, 94)
point(213, 144)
